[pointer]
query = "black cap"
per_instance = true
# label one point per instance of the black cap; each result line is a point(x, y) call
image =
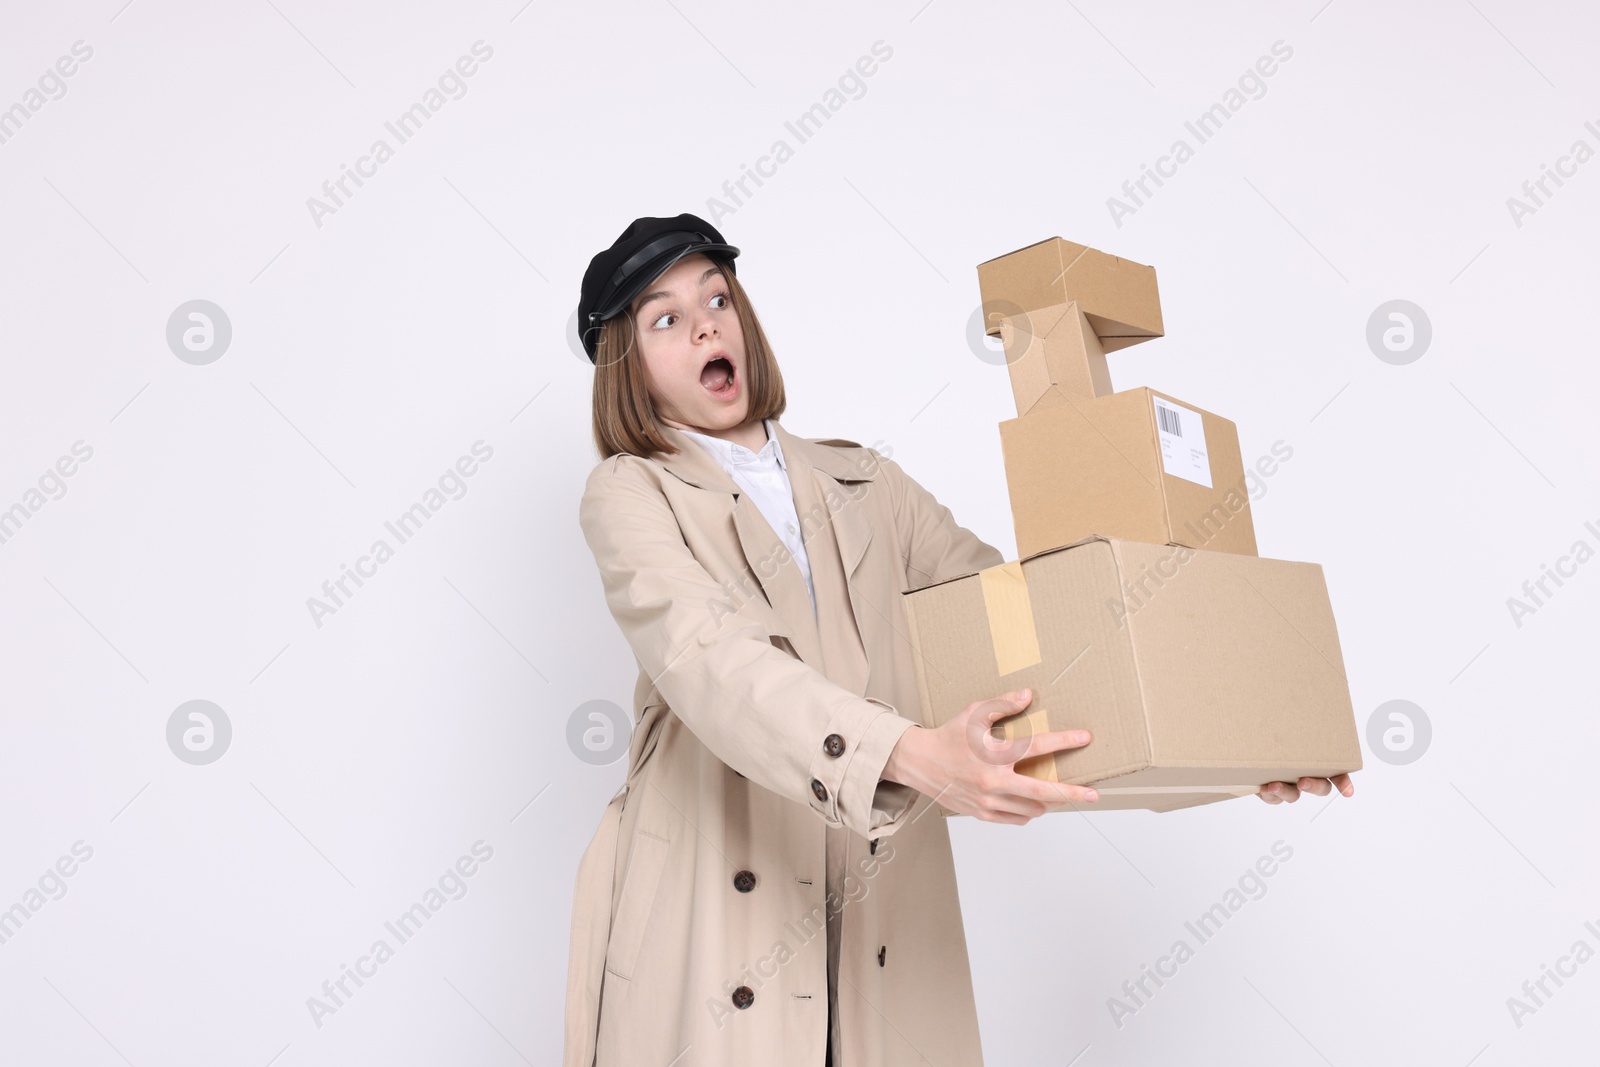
point(635, 259)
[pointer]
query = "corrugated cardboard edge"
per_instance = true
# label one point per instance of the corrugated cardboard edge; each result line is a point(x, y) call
point(1155, 443)
point(1024, 248)
point(1344, 671)
point(1153, 790)
point(1031, 555)
point(1133, 648)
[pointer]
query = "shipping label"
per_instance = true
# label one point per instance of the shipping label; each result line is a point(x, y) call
point(1183, 442)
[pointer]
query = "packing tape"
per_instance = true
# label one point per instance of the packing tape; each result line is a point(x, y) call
point(1034, 722)
point(1005, 599)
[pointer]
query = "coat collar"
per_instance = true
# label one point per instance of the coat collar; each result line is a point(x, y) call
point(693, 464)
point(825, 479)
point(728, 451)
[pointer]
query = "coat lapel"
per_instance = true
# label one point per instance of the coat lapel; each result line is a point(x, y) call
point(828, 491)
point(835, 478)
point(818, 475)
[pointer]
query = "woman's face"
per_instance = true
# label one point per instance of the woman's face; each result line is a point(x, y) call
point(688, 335)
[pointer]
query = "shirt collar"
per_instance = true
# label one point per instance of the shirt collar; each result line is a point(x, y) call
point(733, 454)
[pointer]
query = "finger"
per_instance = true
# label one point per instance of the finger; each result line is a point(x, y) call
point(1052, 794)
point(1003, 817)
point(1002, 706)
point(1056, 741)
point(1343, 783)
point(1022, 810)
point(1006, 805)
point(980, 729)
point(1282, 790)
point(1319, 786)
point(1269, 798)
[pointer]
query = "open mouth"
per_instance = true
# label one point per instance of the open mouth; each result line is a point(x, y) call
point(718, 378)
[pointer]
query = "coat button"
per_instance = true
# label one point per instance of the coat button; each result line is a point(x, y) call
point(744, 881)
point(743, 997)
point(818, 788)
point(833, 745)
point(873, 847)
point(882, 949)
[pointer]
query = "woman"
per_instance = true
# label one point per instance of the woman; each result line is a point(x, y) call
point(767, 888)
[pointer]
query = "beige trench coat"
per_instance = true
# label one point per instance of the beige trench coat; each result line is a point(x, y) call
point(744, 753)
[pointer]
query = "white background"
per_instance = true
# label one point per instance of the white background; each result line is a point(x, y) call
point(431, 311)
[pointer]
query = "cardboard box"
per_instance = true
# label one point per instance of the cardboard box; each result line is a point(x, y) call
point(1136, 464)
point(1118, 296)
point(1054, 357)
point(1200, 675)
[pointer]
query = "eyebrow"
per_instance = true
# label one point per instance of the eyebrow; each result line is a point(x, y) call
point(662, 292)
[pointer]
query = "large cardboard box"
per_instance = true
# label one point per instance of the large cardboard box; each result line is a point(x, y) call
point(1137, 464)
point(1118, 295)
point(1200, 675)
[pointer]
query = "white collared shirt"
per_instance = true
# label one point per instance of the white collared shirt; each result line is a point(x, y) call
point(764, 476)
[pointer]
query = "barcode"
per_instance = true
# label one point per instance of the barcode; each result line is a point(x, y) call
point(1169, 420)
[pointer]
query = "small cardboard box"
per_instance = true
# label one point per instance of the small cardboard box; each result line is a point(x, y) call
point(1118, 295)
point(1053, 357)
point(1200, 675)
point(1136, 464)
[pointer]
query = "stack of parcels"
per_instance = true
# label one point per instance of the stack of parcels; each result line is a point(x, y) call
point(1138, 608)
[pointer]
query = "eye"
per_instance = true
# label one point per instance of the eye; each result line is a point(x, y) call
point(727, 302)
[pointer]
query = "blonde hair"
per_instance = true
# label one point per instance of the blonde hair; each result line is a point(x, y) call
point(625, 417)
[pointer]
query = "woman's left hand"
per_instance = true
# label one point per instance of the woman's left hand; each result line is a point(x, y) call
point(1279, 792)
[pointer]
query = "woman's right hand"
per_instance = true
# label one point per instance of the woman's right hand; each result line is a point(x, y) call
point(966, 769)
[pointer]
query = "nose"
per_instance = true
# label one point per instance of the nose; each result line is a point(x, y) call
point(706, 326)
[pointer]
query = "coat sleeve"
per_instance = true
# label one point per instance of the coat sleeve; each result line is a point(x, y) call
point(759, 709)
point(934, 546)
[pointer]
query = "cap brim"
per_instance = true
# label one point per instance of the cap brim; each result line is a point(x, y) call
point(642, 278)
